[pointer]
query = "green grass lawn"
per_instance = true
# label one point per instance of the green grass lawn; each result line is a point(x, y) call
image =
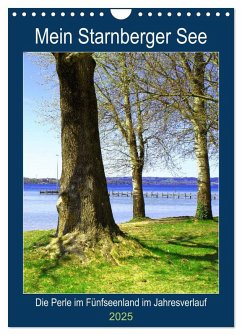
point(182, 258)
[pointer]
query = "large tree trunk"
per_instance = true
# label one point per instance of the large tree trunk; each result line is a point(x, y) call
point(138, 197)
point(83, 205)
point(204, 208)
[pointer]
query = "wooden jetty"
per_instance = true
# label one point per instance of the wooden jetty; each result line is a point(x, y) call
point(51, 192)
point(166, 195)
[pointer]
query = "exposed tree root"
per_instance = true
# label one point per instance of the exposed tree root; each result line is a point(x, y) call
point(87, 249)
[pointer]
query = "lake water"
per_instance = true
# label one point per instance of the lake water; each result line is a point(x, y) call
point(40, 210)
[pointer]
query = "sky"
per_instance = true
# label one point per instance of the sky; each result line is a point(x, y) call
point(41, 144)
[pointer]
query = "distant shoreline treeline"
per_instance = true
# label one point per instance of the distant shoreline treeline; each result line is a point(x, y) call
point(128, 181)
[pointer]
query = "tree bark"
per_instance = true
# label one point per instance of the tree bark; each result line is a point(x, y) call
point(138, 197)
point(83, 205)
point(204, 208)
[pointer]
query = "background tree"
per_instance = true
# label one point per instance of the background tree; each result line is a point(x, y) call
point(127, 117)
point(191, 89)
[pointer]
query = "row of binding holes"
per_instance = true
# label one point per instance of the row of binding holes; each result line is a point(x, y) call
point(181, 14)
point(139, 14)
point(43, 14)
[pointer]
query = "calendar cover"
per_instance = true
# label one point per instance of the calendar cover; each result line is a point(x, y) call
point(121, 167)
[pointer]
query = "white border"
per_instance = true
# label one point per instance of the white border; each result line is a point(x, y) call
point(4, 4)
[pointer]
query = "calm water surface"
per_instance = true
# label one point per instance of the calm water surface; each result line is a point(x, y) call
point(40, 210)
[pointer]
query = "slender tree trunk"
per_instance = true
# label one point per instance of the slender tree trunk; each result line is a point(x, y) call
point(137, 184)
point(204, 208)
point(138, 196)
point(83, 205)
point(137, 166)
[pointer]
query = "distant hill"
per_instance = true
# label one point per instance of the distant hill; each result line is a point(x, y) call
point(159, 181)
point(128, 181)
point(44, 181)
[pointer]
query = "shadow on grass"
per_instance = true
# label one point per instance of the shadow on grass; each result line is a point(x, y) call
point(50, 265)
point(187, 242)
point(42, 241)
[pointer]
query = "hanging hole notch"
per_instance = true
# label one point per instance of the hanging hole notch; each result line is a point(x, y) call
point(121, 14)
